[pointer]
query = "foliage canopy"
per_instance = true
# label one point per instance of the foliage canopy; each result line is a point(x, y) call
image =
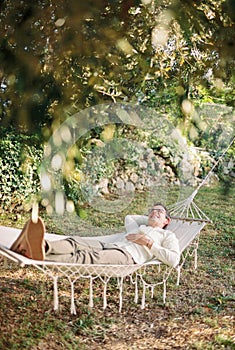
point(62, 56)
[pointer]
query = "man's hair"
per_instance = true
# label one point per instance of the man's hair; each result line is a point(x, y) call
point(167, 212)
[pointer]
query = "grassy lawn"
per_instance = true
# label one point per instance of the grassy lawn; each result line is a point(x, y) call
point(198, 314)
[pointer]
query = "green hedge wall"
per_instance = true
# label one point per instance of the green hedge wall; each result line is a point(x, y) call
point(20, 158)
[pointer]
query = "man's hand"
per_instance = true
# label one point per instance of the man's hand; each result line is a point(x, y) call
point(139, 238)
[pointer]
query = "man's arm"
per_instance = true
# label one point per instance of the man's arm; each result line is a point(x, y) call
point(168, 252)
point(133, 222)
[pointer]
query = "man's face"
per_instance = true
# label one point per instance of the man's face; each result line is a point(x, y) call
point(157, 217)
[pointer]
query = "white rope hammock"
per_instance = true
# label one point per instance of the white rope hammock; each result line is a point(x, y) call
point(187, 222)
point(187, 231)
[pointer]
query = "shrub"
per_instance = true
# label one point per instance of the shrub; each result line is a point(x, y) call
point(20, 157)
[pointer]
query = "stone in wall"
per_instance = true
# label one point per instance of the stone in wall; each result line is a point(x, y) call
point(130, 187)
point(143, 164)
point(134, 178)
point(120, 184)
point(103, 186)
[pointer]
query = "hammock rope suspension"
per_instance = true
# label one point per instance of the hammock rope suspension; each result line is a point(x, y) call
point(215, 165)
point(187, 207)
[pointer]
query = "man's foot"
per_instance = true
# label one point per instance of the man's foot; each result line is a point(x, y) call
point(20, 241)
point(30, 242)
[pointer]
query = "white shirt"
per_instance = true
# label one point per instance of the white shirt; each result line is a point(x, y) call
point(165, 244)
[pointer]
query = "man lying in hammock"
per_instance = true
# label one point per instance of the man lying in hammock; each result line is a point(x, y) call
point(146, 238)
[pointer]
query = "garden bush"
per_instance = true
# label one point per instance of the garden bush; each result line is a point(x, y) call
point(20, 158)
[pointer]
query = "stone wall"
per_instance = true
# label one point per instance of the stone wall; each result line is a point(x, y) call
point(151, 169)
